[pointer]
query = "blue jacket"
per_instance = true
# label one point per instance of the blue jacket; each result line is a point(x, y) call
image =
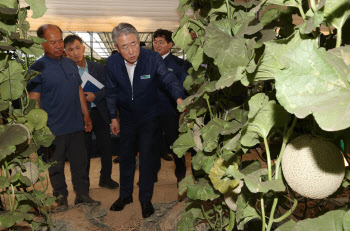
point(166, 105)
point(138, 103)
point(97, 71)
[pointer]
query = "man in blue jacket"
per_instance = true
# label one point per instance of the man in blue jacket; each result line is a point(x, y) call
point(168, 116)
point(58, 92)
point(98, 110)
point(132, 79)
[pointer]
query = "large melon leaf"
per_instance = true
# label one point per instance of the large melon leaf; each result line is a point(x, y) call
point(314, 81)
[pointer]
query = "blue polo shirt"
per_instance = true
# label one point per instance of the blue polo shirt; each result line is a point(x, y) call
point(58, 85)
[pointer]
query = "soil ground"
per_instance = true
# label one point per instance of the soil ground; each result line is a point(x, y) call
point(165, 191)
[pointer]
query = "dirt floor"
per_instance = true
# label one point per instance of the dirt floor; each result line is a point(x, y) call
point(165, 191)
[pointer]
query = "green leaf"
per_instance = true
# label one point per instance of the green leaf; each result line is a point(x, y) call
point(210, 134)
point(256, 185)
point(231, 145)
point(263, 116)
point(14, 72)
point(234, 172)
point(288, 226)
point(9, 3)
point(189, 99)
point(35, 49)
point(198, 160)
point(197, 59)
point(38, 7)
point(283, 2)
point(38, 118)
point(5, 151)
point(202, 191)
point(312, 23)
point(314, 81)
point(9, 11)
point(189, 217)
point(332, 220)
point(271, 15)
point(13, 135)
point(229, 76)
point(4, 106)
point(208, 163)
point(9, 219)
point(22, 23)
point(256, 165)
point(182, 37)
point(218, 176)
point(269, 63)
point(188, 180)
point(43, 136)
point(183, 143)
point(346, 221)
point(336, 12)
point(342, 53)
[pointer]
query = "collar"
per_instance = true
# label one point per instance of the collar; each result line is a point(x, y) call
point(53, 59)
point(130, 65)
point(164, 56)
point(84, 69)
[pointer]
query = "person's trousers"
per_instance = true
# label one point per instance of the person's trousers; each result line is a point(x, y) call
point(72, 147)
point(136, 138)
point(168, 128)
point(101, 130)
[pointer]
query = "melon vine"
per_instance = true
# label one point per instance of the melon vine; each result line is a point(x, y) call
point(263, 72)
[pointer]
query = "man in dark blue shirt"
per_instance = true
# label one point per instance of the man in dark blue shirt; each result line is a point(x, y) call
point(168, 116)
point(98, 110)
point(58, 92)
point(132, 79)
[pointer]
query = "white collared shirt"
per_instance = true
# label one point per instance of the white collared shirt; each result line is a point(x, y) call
point(164, 56)
point(130, 69)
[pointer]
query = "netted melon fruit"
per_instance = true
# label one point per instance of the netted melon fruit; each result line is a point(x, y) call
point(313, 167)
point(32, 171)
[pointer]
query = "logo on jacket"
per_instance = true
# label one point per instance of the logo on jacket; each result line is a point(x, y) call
point(145, 76)
point(169, 69)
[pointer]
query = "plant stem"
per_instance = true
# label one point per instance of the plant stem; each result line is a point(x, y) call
point(206, 217)
point(278, 163)
point(197, 23)
point(272, 213)
point(229, 16)
point(262, 211)
point(313, 5)
point(268, 156)
point(301, 10)
point(211, 113)
point(285, 140)
point(339, 39)
point(284, 216)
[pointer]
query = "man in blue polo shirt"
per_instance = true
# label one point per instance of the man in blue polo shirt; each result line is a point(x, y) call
point(58, 92)
point(132, 79)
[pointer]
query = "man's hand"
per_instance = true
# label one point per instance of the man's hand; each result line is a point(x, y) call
point(88, 123)
point(89, 96)
point(115, 126)
point(179, 101)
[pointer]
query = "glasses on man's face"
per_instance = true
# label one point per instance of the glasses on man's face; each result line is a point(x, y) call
point(160, 43)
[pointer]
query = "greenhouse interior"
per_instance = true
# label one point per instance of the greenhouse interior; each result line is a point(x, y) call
point(198, 115)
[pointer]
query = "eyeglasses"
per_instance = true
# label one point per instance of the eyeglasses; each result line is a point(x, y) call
point(161, 43)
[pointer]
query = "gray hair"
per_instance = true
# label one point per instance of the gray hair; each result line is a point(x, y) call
point(123, 28)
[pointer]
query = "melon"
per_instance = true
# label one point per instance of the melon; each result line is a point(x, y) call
point(32, 171)
point(313, 167)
